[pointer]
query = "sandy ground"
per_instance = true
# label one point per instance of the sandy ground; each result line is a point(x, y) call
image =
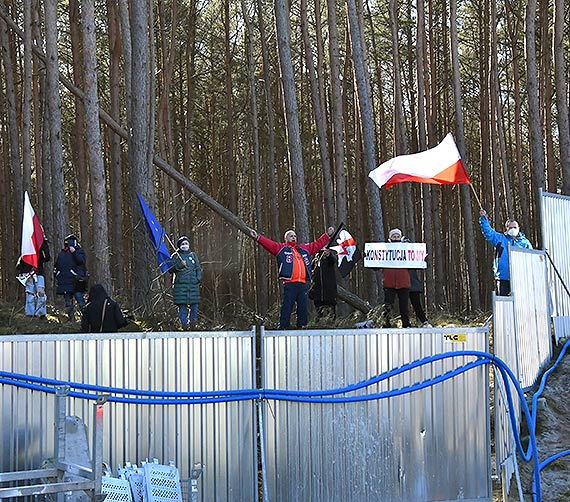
point(553, 436)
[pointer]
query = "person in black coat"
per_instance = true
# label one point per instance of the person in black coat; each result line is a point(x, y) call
point(101, 314)
point(323, 290)
point(71, 274)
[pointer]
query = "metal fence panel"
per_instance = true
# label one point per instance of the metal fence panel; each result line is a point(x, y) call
point(530, 293)
point(428, 445)
point(505, 348)
point(555, 212)
point(220, 436)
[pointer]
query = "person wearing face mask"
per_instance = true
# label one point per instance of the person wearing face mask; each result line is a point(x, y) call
point(187, 277)
point(71, 275)
point(294, 264)
point(512, 236)
point(396, 283)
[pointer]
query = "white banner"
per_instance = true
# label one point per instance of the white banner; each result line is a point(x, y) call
point(395, 255)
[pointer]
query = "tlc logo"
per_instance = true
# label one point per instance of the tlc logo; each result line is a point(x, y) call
point(457, 337)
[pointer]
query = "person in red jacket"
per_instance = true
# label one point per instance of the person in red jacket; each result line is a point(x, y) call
point(294, 264)
point(396, 282)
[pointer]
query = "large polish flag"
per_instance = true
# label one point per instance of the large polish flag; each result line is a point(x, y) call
point(32, 234)
point(441, 165)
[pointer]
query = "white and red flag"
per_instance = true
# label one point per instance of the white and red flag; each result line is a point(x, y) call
point(441, 165)
point(32, 234)
point(346, 250)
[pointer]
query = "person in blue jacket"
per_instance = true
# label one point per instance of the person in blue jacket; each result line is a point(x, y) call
point(511, 237)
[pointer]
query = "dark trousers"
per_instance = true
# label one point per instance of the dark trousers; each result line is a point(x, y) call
point(294, 292)
point(389, 298)
point(504, 287)
point(416, 301)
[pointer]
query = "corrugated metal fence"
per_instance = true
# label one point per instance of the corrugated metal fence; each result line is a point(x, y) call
point(423, 446)
point(522, 339)
point(555, 222)
point(428, 445)
point(222, 436)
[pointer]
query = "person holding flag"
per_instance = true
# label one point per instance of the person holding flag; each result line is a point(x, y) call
point(187, 277)
point(30, 266)
point(294, 264)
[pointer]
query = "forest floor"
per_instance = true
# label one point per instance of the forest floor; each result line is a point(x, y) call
point(553, 419)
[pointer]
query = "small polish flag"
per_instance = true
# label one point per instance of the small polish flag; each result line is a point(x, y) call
point(441, 165)
point(32, 234)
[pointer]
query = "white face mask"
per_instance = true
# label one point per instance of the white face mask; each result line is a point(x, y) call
point(184, 247)
point(513, 232)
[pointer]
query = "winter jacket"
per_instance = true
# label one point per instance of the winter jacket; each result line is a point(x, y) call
point(93, 315)
point(68, 267)
point(187, 277)
point(501, 242)
point(324, 289)
point(396, 278)
point(44, 256)
point(284, 253)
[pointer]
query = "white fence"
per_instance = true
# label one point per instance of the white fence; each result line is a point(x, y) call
point(555, 222)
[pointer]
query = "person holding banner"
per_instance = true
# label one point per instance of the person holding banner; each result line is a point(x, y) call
point(187, 277)
point(512, 236)
point(295, 271)
point(416, 292)
point(396, 283)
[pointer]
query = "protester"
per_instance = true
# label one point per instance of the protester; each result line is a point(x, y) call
point(71, 274)
point(34, 281)
point(396, 283)
point(187, 277)
point(511, 237)
point(101, 314)
point(294, 264)
point(416, 292)
point(323, 289)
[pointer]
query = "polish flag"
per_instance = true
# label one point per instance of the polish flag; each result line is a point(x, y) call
point(32, 234)
point(441, 165)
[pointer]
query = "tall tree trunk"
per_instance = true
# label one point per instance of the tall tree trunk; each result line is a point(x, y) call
point(336, 106)
point(115, 171)
point(61, 220)
point(78, 132)
point(560, 82)
point(27, 140)
point(546, 93)
point(261, 268)
point(292, 121)
point(270, 168)
point(497, 115)
point(467, 210)
point(319, 117)
point(366, 119)
point(536, 140)
point(422, 141)
point(15, 167)
point(144, 261)
point(94, 150)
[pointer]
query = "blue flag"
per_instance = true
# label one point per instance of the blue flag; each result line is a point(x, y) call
point(156, 234)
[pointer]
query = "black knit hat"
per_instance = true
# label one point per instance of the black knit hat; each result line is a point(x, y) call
point(181, 240)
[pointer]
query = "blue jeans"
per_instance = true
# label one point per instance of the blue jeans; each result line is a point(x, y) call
point(35, 296)
point(183, 314)
point(68, 297)
point(294, 292)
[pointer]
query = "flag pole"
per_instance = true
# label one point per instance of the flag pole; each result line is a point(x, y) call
point(476, 196)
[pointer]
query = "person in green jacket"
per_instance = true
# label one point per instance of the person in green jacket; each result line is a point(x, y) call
point(187, 277)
